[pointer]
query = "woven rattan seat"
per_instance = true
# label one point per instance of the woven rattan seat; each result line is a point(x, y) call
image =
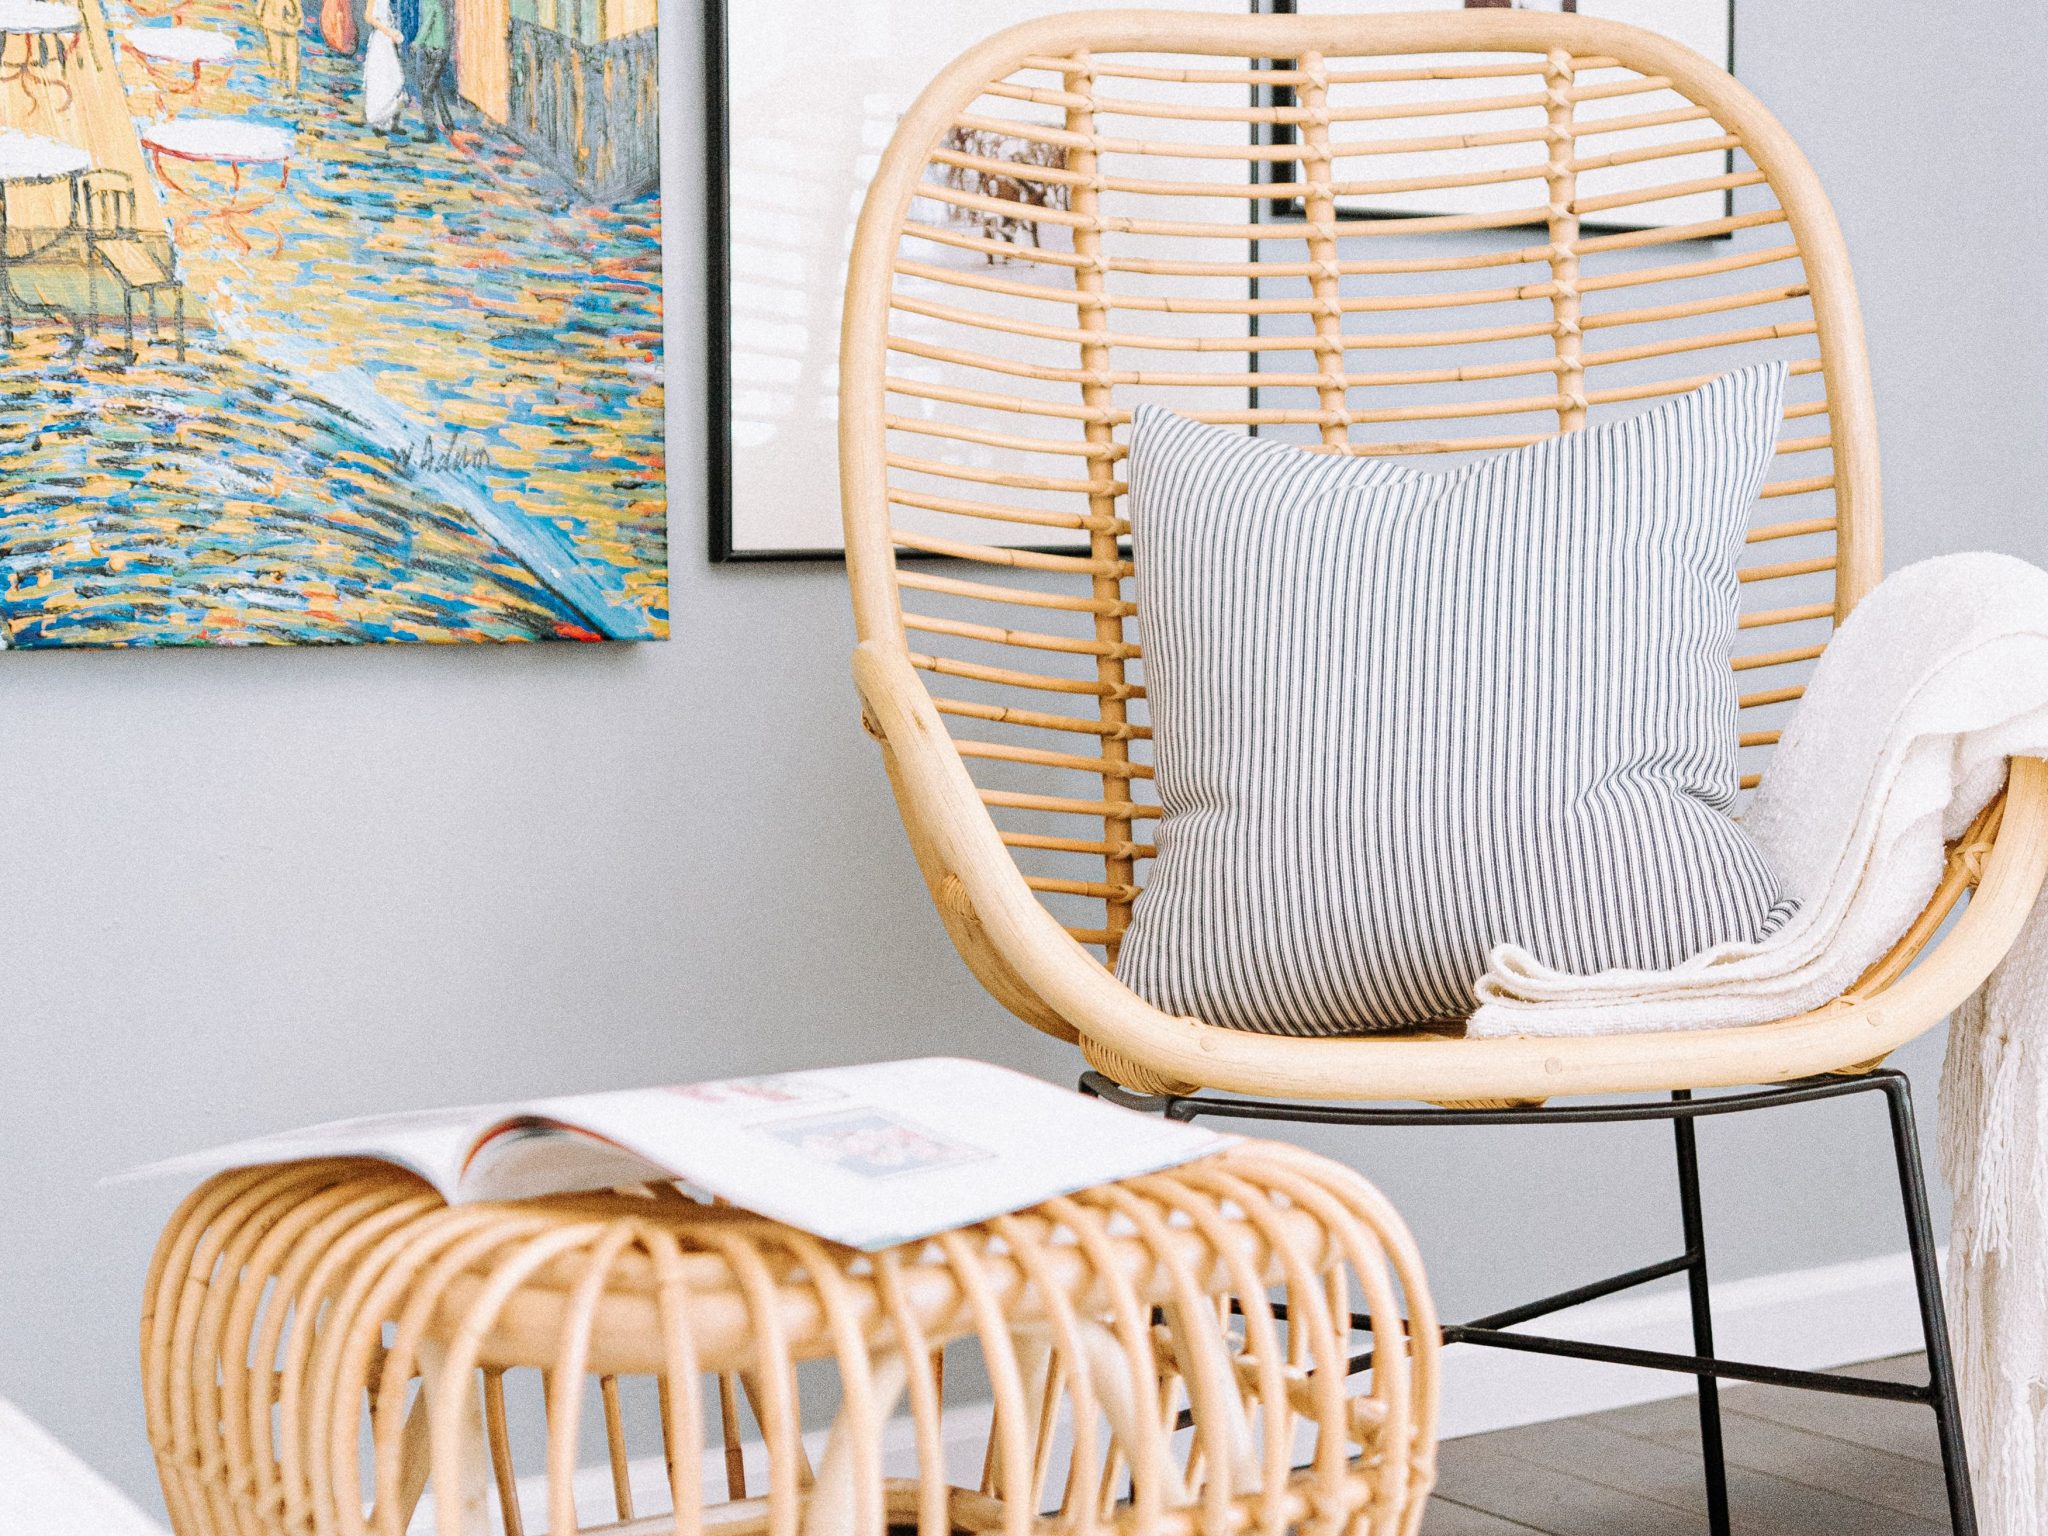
point(323, 1339)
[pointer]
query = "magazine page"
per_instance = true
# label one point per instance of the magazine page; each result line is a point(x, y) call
point(866, 1155)
point(433, 1143)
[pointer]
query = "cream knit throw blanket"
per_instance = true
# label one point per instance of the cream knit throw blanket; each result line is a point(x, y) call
point(1937, 679)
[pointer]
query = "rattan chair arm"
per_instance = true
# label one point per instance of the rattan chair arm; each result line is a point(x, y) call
point(1066, 990)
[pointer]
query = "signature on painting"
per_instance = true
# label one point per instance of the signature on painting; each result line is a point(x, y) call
point(428, 455)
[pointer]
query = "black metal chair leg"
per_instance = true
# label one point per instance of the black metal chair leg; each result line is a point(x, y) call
point(1709, 1390)
point(1500, 1330)
point(1941, 1374)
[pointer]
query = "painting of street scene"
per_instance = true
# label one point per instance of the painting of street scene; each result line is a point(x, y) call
point(330, 321)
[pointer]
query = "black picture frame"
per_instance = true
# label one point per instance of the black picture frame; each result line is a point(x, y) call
point(720, 546)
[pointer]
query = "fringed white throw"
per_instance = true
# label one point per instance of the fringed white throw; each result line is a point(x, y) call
point(1994, 1151)
point(1938, 678)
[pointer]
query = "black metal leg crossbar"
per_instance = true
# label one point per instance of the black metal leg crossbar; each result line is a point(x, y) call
point(1682, 1109)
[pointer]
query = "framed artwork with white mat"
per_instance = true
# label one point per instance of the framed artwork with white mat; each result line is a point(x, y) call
point(803, 95)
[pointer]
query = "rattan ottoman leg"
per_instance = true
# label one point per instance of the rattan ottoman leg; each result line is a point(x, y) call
point(464, 1476)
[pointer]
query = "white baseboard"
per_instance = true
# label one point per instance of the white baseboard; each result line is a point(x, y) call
point(1811, 1319)
point(47, 1491)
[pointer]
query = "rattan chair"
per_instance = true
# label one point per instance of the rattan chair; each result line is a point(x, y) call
point(326, 1346)
point(1468, 229)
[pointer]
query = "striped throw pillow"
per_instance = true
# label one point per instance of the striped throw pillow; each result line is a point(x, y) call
point(1400, 717)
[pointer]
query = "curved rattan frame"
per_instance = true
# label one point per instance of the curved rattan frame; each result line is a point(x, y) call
point(325, 1344)
point(1046, 971)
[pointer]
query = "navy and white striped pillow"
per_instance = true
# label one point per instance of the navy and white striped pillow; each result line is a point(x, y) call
point(1401, 717)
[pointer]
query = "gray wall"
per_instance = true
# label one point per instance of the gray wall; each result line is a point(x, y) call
point(252, 890)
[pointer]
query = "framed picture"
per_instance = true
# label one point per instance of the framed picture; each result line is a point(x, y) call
point(803, 97)
point(332, 323)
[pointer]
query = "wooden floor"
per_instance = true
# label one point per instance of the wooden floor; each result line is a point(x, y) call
point(1799, 1464)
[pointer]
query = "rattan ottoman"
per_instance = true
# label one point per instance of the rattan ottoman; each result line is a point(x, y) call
point(329, 1349)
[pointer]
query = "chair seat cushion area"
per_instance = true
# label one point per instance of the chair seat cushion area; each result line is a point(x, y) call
point(132, 263)
point(1401, 717)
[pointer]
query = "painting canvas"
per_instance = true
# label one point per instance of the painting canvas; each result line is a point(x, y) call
point(329, 321)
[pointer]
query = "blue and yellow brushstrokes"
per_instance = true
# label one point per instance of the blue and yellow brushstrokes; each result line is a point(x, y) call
point(421, 396)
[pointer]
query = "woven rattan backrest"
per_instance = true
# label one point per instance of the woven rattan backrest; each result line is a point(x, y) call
point(1462, 240)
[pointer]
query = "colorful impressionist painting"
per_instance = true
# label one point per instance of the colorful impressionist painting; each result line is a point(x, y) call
point(329, 321)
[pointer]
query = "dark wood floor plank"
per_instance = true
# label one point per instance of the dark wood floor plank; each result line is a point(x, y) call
point(1903, 1429)
point(1670, 1420)
point(1472, 1473)
point(1899, 1429)
point(1671, 1473)
point(1902, 1483)
point(1799, 1462)
point(1447, 1519)
point(1647, 1468)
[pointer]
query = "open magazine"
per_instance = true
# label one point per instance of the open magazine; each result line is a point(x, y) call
point(867, 1156)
